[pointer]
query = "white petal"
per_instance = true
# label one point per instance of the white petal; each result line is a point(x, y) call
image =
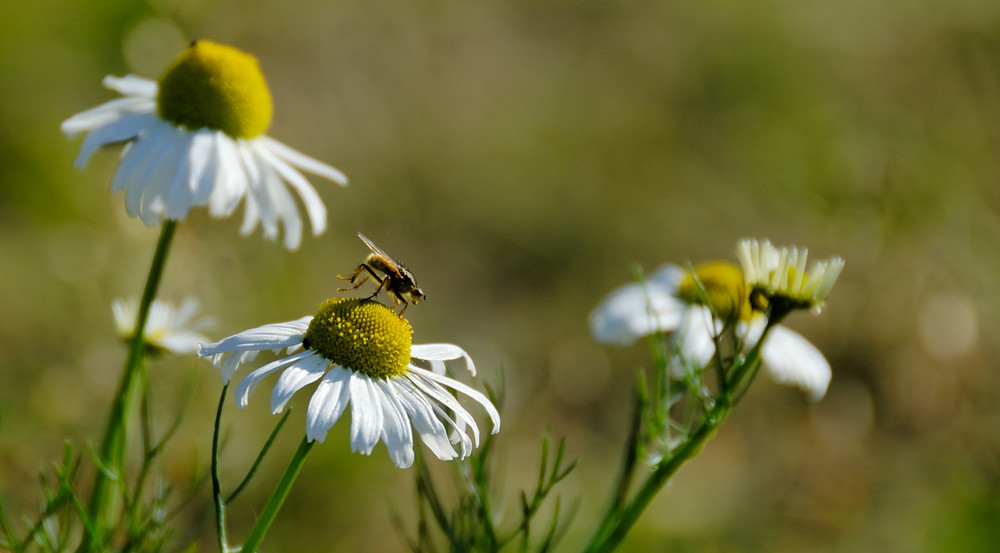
point(791, 359)
point(304, 162)
point(201, 154)
point(396, 431)
point(303, 373)
point(139, 163)
point(428, 426)
point(440, 396)
point(462, 388)
point(696, 334)
point(182, 341)
point(136, 157)
point(327, 403)
point(636, 310)
point(267, 337)
point(124, 315)
point(105, 114)
point(251, 213)
point(442, 352)
point(122, 130)
point(458, 434)
point(228, 177)
point(161, 173)
point(132, 85)
point(177, 197)
point(248, 384)
point(288, 212)
point(265, 211)
point(366, 414)
point(231, 363)
point(315, 208)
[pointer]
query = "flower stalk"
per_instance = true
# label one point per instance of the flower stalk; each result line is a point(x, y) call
point(277, 498)
point(622, 514)
point(105, 499)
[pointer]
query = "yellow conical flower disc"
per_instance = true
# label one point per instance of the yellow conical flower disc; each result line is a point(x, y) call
point(362, 335)
point(217, 87)
point(724, 286)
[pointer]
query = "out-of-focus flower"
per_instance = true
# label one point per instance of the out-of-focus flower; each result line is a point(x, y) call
point(196, 138)
point(697, 306)
point(361, 353)
point(779, 275)
point(168, 328)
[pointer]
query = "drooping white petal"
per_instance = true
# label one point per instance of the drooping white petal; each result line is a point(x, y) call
point(396, 431)
point(246, 386)
point(441, 396)
point(228, 177)
point(428, 426)
point(281, 198)
point(696, 334)
point(115, 132)
point(178, 194)
point(139, 163)
point(366, 414)
point(457, 435)
point(327, 403)
point(315, 208)
point(105, 114)
point(310, 368)
point(265, 212)
point(442, 352)
point(464, 389)
point(122, 314)
point(201, 158)
point(790, 359)
point(302, 161)
point(251, 214)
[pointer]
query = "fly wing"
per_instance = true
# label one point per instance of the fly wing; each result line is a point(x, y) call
point(378, 251)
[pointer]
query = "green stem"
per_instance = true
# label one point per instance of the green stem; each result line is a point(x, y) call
point(613, 531)
point(277, 498)
point(220, 505)
point(104, 501)
point(617, 523)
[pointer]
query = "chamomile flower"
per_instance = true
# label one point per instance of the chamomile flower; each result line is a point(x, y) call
point(168, 327)
point(671, 300)
point(196, 138)
point(361, 354)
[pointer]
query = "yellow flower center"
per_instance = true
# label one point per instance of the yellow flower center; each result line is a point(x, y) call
point(362, 335)
point(719, 284)
point(217, 87)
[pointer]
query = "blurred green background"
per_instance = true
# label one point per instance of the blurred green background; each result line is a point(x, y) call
point(522, 157)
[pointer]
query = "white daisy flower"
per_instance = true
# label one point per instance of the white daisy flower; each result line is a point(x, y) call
point(361, 353)
point(670, 301)
point(196, 138)
point(168, 328)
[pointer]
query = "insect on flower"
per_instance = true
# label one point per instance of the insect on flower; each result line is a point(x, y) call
point(398, 281)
